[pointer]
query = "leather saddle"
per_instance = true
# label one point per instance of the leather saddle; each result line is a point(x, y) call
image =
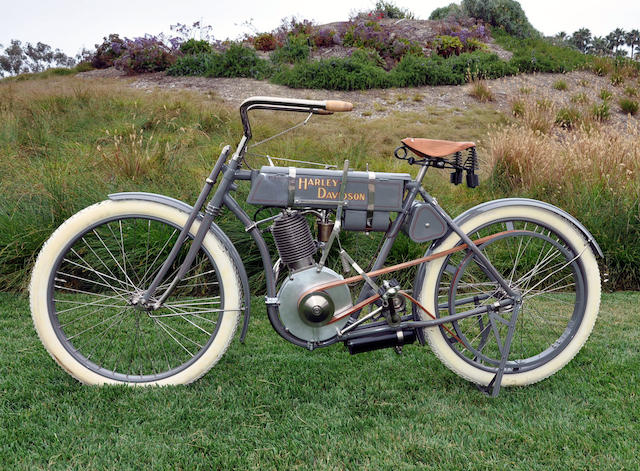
point(434, 147)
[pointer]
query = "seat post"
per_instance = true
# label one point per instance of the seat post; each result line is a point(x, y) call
point(421, 173)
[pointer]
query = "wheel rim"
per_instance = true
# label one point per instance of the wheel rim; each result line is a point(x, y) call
point(543, 267)
point(92, 300)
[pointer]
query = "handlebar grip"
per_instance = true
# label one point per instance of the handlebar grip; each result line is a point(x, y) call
point(338, 106)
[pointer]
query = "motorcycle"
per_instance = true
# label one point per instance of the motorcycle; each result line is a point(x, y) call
point(144, 289)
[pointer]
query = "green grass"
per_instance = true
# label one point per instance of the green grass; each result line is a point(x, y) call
point(271, 405)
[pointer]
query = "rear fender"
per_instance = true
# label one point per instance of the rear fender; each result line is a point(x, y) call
point(489, 205)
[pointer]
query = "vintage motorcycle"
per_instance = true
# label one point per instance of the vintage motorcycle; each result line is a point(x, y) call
point(144, 289)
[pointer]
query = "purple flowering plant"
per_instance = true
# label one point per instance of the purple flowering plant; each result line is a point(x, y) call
point(147, 54)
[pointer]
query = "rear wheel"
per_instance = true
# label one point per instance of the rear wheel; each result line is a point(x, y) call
point(542, 256)
point(86, 289)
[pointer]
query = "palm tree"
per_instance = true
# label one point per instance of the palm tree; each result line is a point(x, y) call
point(617, 39)
point(632, 39)
point(581, 40)
point(600, 46)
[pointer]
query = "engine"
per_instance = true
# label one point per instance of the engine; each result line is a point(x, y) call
point(306, 315)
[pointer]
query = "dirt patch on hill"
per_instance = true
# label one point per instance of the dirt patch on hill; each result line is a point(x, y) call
point(582, 90)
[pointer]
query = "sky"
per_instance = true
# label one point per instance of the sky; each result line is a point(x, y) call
point(71, 25)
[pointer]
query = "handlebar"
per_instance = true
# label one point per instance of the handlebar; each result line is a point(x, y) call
point(289, 104)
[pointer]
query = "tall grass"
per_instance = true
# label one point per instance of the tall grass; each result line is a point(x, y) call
point(66, 143)
point(591, 171)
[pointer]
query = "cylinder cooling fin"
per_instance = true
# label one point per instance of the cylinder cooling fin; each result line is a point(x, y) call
point(294, 241)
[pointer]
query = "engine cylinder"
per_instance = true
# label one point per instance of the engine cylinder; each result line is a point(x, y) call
point(294, 241)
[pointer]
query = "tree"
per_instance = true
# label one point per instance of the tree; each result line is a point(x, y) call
point(616, 39)
point(581, 40)
point(13, 60)
point(632, 39)
point(19, 59)
point(562, 36)
point(506, 14)
point(600, 46)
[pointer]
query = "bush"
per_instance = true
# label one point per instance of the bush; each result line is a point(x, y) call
point(560, 85)
point(474, 44)
point(601, 112)
point(265, 42)
point(617, 79)
point(539, 55)
point(480, 91)
point(193, 46)
point(295, 49)
point(147, 54)
point(357, 72)
point(568, 118)
point(580, 98)
point(605, 94)
point(324, 37)
point(112, 47)
point(391, 10)
point(628, 106)
point(446, 46)
point(236, 61)
point(453, 9)
point(505, 14)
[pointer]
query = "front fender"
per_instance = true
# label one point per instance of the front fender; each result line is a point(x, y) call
point(184, 207)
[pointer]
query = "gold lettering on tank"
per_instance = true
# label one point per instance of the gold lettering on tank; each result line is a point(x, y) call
point(327, 188)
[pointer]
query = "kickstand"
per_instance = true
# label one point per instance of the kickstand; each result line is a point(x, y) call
point(493, 388)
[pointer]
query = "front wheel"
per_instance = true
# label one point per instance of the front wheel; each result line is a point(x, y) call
point(92, 272)
point(544, 258)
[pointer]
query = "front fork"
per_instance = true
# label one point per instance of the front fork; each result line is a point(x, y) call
point(211, 211)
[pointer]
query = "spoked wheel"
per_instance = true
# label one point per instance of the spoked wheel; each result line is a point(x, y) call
point(87, 287)
point(542, 257)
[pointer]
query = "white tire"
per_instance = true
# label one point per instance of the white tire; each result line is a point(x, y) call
point(45, 281)
point(459, 359)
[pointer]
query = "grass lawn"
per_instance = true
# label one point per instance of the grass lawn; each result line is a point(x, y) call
point(270, 405)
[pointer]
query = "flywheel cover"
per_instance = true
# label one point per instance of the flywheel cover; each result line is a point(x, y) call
point(289, 295)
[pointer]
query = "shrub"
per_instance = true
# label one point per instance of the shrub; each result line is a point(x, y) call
point(194, 64)
point(505, 14)
point(628, 106)
point(474, 44)
point(357, 72)
point(617, 79)
point(518, 108)
point(83, 67)
point(193, 46)
point(581, 98)
point(605, 94)
point(539, 55)
point(391, 10)
point(451, 10)
point(292, 27)
point(295, 49)
point(236, 61)
point(112, 47)
point(560, 85)
point(265, 42)
point(480, 91)
point(568, 118)
point(324, 37)
point(147, 54)
point(601, 112)
point(601, 66)
point(446, 46)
